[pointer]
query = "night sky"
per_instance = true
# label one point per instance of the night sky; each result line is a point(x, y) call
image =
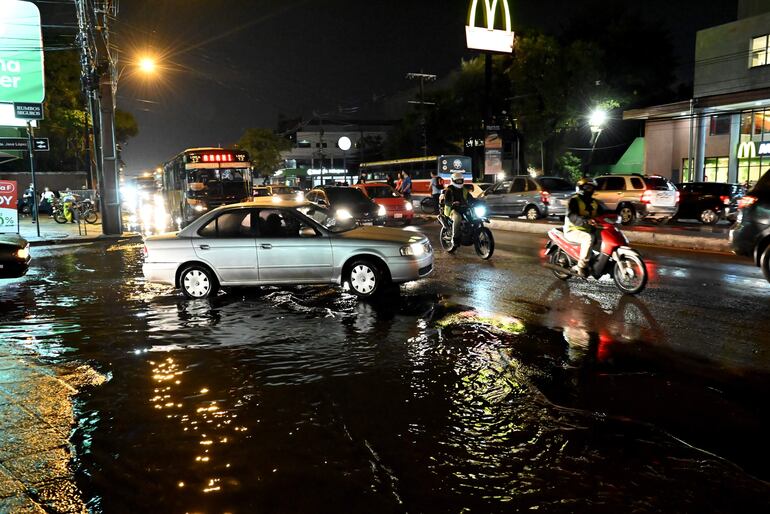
point(229, 65)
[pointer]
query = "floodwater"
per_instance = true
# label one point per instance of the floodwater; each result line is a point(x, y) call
point(307, 400)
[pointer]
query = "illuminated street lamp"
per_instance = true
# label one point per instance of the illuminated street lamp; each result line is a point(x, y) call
point(596, 121)
point(147, 65)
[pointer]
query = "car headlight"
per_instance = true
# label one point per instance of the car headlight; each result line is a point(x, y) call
point(300, 196)
point(480, 211)
point(23, 253)
point(343, 214)
point(416, 249)
point(409, 206)
point(199, 208)
point(382, 211)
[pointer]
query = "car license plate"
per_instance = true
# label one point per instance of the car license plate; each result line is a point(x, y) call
point(398, 215)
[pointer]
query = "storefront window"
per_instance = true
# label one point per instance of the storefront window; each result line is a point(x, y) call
point(746, 123)
point(751, 169)
point(759, 121)
point(715, 169)
point(720, 125)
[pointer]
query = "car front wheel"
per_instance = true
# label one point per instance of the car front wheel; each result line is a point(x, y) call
point(364, 278)
point(198, 282)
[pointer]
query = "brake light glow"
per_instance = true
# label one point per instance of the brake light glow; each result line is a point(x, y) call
point(725, 199)
point(545, 197)
point(647, 196)
point(678, 196)
point(747, 201)
point(145, 251)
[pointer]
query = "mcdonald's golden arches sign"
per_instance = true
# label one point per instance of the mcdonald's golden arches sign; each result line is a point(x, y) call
point(496, 32)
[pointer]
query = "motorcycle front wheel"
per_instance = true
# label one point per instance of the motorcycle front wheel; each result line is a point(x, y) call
point(446, 239)
point(484, 243)
point(58, 217)
point(630, 273)
point(90, 217)
point(559, 258)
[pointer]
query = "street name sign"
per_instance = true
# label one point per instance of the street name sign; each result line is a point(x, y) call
point(21, 53)
point(40, 144)
point(28, 111)
point(9, 200)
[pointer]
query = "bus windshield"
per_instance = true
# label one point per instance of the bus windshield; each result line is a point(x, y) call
point(216, 182)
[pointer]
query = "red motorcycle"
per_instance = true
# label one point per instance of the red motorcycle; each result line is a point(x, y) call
point(610, 255)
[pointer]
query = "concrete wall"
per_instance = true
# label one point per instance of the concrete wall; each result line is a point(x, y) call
point(666, 144)
point(55, 180)
point(722, 57)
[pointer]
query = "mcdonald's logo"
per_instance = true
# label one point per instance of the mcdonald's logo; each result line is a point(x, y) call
point(487, 37)
point(747, 150)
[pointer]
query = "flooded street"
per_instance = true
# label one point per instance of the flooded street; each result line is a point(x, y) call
point(461, 394)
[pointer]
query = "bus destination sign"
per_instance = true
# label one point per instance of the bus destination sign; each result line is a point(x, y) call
point(216, 156)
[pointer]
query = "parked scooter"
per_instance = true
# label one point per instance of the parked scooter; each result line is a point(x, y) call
point(610, 255)
point(472, 231)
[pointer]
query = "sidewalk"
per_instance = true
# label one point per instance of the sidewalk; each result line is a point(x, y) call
point(52, 233)
point(36, 418)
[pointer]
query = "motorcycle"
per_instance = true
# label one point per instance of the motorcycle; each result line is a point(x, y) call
point(610, 255)
point(472, 231)
point(84, 210)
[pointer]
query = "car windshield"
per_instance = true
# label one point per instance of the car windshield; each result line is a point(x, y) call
point(282, 190)
point(658, 183)
point(556, 184)
point(346, 196)
point(326, 219)
point(381, 192)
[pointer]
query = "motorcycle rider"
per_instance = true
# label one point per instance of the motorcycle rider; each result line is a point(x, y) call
point(579, 224)
point(455, 197)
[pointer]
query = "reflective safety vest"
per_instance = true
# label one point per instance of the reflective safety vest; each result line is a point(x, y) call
point(585, 210)
point(449, 198)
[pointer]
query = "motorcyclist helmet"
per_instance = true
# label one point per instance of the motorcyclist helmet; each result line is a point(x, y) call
point(458, 178)
point(586, 185)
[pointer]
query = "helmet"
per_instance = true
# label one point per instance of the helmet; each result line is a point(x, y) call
point(457, 177)
point(586, 183)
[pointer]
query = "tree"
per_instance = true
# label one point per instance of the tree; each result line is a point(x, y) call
point(264, 148)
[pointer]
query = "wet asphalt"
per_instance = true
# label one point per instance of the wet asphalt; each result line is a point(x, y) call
point(488, 387)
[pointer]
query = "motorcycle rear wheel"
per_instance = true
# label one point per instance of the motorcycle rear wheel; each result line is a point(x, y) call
point(634, 279)
point(58, 217)
point(91, 217)
point(559, 258)
point(484, 243)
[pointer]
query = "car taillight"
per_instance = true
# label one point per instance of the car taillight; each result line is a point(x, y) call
point(747, 201)
point(145, 251)
point(725, 199)
point(678, 196)
point(545, 197)
point(647, 196)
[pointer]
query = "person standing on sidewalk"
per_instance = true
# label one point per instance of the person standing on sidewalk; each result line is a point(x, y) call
point(435, 189)
point(406, 185)
point(46, 202)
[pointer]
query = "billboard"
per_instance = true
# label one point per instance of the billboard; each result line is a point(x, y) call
point(487, 38)
point(493, 154)
point(9, 201)
point(21, 53)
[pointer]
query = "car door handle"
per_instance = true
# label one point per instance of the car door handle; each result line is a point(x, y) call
point(266, 246)
point(204, 247)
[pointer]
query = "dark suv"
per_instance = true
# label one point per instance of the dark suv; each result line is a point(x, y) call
point(709, 201)
point(750, 235)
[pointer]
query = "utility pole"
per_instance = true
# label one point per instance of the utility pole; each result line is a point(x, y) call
point(422, 77)
point(99, 79)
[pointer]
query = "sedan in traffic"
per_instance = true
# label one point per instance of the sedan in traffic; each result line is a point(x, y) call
point(349, 202)
point(288, 243)
point(397, 208)
point(750, 236)
point(14, 256)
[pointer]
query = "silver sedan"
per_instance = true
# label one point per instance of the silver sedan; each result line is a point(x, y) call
point(272, 242)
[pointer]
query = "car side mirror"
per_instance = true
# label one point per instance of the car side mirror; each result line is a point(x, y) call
point(307, 232)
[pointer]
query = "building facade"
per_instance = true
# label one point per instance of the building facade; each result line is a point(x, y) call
point(723, 133)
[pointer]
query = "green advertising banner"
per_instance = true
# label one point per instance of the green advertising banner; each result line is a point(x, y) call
point(21, 53)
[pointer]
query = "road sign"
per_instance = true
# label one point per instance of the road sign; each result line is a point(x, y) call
point(9, 214)
point(22, 144)
point(21, 53)
point(28, 111)
point(41, 144)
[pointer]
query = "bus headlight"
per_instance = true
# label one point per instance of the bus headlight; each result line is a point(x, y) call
point(480, 211)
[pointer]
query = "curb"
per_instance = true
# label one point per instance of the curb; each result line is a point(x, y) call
point(82, 240)
point(683, 242)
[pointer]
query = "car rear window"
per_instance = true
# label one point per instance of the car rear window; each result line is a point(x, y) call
point(658, 184)
point(556, 184)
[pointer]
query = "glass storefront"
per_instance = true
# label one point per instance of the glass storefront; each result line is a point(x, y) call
point(714, 169)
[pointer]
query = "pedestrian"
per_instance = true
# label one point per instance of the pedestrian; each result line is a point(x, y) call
point(362, 178)
point(46, 201)
point(391, 181)
point(406, 185)
point(435, 189)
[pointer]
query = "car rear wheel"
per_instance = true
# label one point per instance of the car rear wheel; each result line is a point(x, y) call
point(364, 278)
point(627, 214)
point(198, 282)
point(531, 213)
point(709, 217)
point(764, 263)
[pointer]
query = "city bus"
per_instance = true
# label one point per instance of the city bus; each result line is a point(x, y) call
point(200, 179)
point(419, 169)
